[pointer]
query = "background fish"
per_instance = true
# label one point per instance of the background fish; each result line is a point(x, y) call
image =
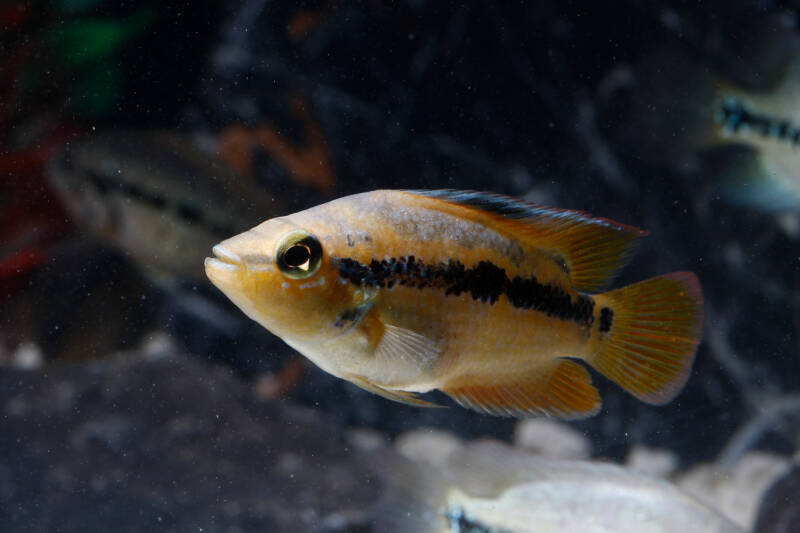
point(749, 134)
point(480, 296)
point(157, 198)
point(488, 487)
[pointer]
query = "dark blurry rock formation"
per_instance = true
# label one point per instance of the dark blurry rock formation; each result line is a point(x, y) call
point(780, 509)
point(162, 442)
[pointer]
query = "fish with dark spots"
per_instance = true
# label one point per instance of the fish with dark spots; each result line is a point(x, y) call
point(435, 299)
point(157, 198)
point(749, 138)
point(490, 487)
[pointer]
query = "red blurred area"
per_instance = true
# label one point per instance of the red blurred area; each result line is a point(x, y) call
point(31, 218)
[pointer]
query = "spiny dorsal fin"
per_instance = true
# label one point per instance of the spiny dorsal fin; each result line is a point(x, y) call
point(592, 249)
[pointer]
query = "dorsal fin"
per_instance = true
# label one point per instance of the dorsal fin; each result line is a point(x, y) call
point(592, 249)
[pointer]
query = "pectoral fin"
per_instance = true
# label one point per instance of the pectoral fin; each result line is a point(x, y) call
point(402, 355)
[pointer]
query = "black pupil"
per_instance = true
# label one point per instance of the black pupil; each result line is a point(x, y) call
point(297, 255)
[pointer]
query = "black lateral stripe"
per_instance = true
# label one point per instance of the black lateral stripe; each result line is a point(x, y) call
point(484, 282)
point(734, 116)
point(192, 215)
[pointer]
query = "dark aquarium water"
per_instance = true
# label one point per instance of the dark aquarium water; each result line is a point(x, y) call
point(135, 395)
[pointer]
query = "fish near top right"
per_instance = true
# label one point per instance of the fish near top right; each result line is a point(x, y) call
point(751, 136)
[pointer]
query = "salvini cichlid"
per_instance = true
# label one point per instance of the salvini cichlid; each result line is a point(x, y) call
point(753, 136)
point(157, 198)
point(480, 296)
point(487, 487)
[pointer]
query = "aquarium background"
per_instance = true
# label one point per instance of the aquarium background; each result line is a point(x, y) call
point(130, 400)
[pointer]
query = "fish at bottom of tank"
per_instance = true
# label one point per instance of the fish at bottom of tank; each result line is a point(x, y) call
point(489, 487)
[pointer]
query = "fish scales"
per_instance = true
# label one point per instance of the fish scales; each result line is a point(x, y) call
point(481, 296)
point(425, 240)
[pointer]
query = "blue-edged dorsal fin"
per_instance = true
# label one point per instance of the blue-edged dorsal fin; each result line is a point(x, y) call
point(592, 249)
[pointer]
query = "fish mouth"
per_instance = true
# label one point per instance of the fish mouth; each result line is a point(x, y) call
point(226, 256)
point(222, 260)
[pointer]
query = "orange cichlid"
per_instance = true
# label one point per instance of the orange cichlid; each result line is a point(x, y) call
point(486, 298)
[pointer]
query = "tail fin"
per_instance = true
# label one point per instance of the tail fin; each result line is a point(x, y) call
point(648, 335)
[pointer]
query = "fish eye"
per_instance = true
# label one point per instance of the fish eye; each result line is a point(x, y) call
point(299, 254)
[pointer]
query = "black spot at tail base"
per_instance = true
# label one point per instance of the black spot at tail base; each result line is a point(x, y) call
point(606, 319)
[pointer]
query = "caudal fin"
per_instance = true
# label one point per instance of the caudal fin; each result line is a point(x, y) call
point(648, 335)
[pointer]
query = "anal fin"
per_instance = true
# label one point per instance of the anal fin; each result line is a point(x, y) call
point(565, 392)
point(408, 398)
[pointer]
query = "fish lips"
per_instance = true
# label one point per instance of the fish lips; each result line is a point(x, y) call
point(223, 267)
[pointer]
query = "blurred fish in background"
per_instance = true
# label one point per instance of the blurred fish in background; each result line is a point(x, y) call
point(156, 198)
point(552, 102)
point(741, 117)
point(489, 487)
point(60, 68)
point(149, 196)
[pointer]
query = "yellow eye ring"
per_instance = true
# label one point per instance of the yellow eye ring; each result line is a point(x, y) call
point(298, 254)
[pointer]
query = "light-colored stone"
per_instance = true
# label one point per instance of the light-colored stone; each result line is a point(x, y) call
point(27, 356)
point(735, 493)
point(551, 439)
point(158, 345)
point(365, 439)
point(431, 445)
point(657, 462)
